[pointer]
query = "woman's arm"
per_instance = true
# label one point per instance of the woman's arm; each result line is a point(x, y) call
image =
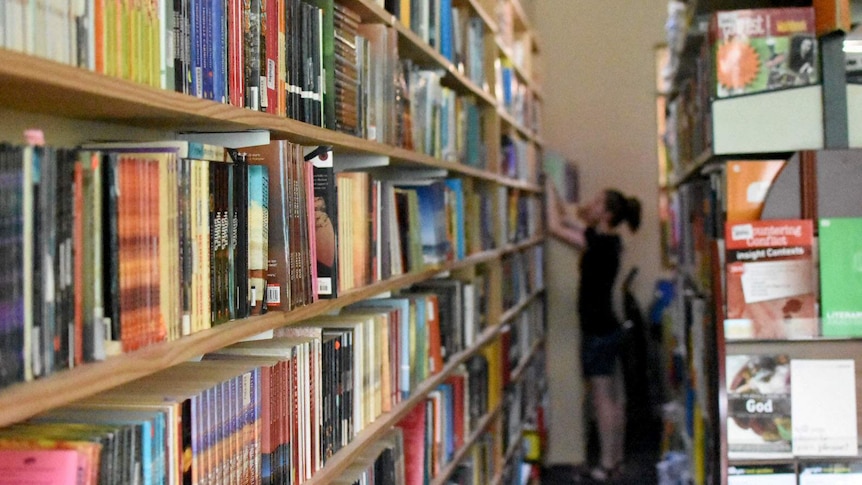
point(563, 222)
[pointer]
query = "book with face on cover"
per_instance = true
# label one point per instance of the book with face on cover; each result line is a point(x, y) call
point(771, 280)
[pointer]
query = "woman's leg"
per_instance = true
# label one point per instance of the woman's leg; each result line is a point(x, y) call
point(608, 398)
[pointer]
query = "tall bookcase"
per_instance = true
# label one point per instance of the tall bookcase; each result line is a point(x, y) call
point(73, 105)
point(701, 138)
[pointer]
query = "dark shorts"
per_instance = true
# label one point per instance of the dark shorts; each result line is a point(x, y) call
point(599, 354)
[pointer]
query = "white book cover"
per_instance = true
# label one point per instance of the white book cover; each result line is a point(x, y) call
point(823, 399)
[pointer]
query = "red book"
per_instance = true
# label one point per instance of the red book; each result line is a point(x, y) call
point(413, 425)
point(236, 62)
point(269, 29)
point(457, 383)
point(771, 280)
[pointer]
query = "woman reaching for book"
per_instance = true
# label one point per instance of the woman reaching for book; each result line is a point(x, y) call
point(592, 227)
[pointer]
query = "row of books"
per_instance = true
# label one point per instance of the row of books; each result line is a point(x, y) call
point(268, 410)
point(522, 217)
point(444, 125)
point(113, 264)
point(113, 247)
point(334, 71)
point(515, 96)
point(522, 275)
point(456, 32)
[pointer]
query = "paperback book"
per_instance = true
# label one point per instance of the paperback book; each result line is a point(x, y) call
point(759, 50)
point(841, 276)
point(758, 404)
point(771, 280)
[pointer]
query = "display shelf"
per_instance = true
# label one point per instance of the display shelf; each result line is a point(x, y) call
point(345, 456)
point(442, 477)
point(24, 400)
point(775, 121)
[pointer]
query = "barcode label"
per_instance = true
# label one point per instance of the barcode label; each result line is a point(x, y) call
point(273, 295)
point(270, 74)
point(324, 286)
point(246, 389)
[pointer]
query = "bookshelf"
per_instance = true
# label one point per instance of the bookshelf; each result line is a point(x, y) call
point(705, 138)
point(67, 95)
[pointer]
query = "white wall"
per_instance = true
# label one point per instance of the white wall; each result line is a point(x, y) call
point(599, 110)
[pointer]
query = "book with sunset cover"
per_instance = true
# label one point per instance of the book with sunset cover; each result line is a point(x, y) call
point(758, 50)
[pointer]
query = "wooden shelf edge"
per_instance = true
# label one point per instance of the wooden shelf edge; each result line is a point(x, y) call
point(486, 421)
point(692, 170)
point(345, 456)
point(519, 307)
point(489, 20)
point(510, 453)
point(517, 373)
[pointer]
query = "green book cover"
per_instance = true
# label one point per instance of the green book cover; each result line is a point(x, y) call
point(841, 276)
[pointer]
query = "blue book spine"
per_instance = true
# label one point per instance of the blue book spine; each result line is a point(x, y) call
point(446, 29)
point(219, 31)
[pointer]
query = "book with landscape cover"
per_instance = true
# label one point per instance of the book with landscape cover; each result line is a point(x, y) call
point(758, 404)
point(258, 236)
point(771, 280)
point(759, 50)
point(841, 276)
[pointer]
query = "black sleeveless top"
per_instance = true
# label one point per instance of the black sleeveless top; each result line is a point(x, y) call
point(600, 263)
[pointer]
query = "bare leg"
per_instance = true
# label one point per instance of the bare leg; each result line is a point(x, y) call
point(608, 398)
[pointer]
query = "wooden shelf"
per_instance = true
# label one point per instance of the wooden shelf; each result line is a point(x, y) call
point(518, 372)
point(24, 400)
point(510, 453)
point(345, 456)
point(486, 421)
point(41, 86)
point(515, 310)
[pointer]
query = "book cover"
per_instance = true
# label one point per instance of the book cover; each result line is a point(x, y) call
point(748, 183)
point(823, 399)
point(276, 157)
point(758, 403)
point(771, 280)
point(325, 219)
point(841, 276)
point(258, 236)
point(760, 50)
point(57, 467)
point(413, 426)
